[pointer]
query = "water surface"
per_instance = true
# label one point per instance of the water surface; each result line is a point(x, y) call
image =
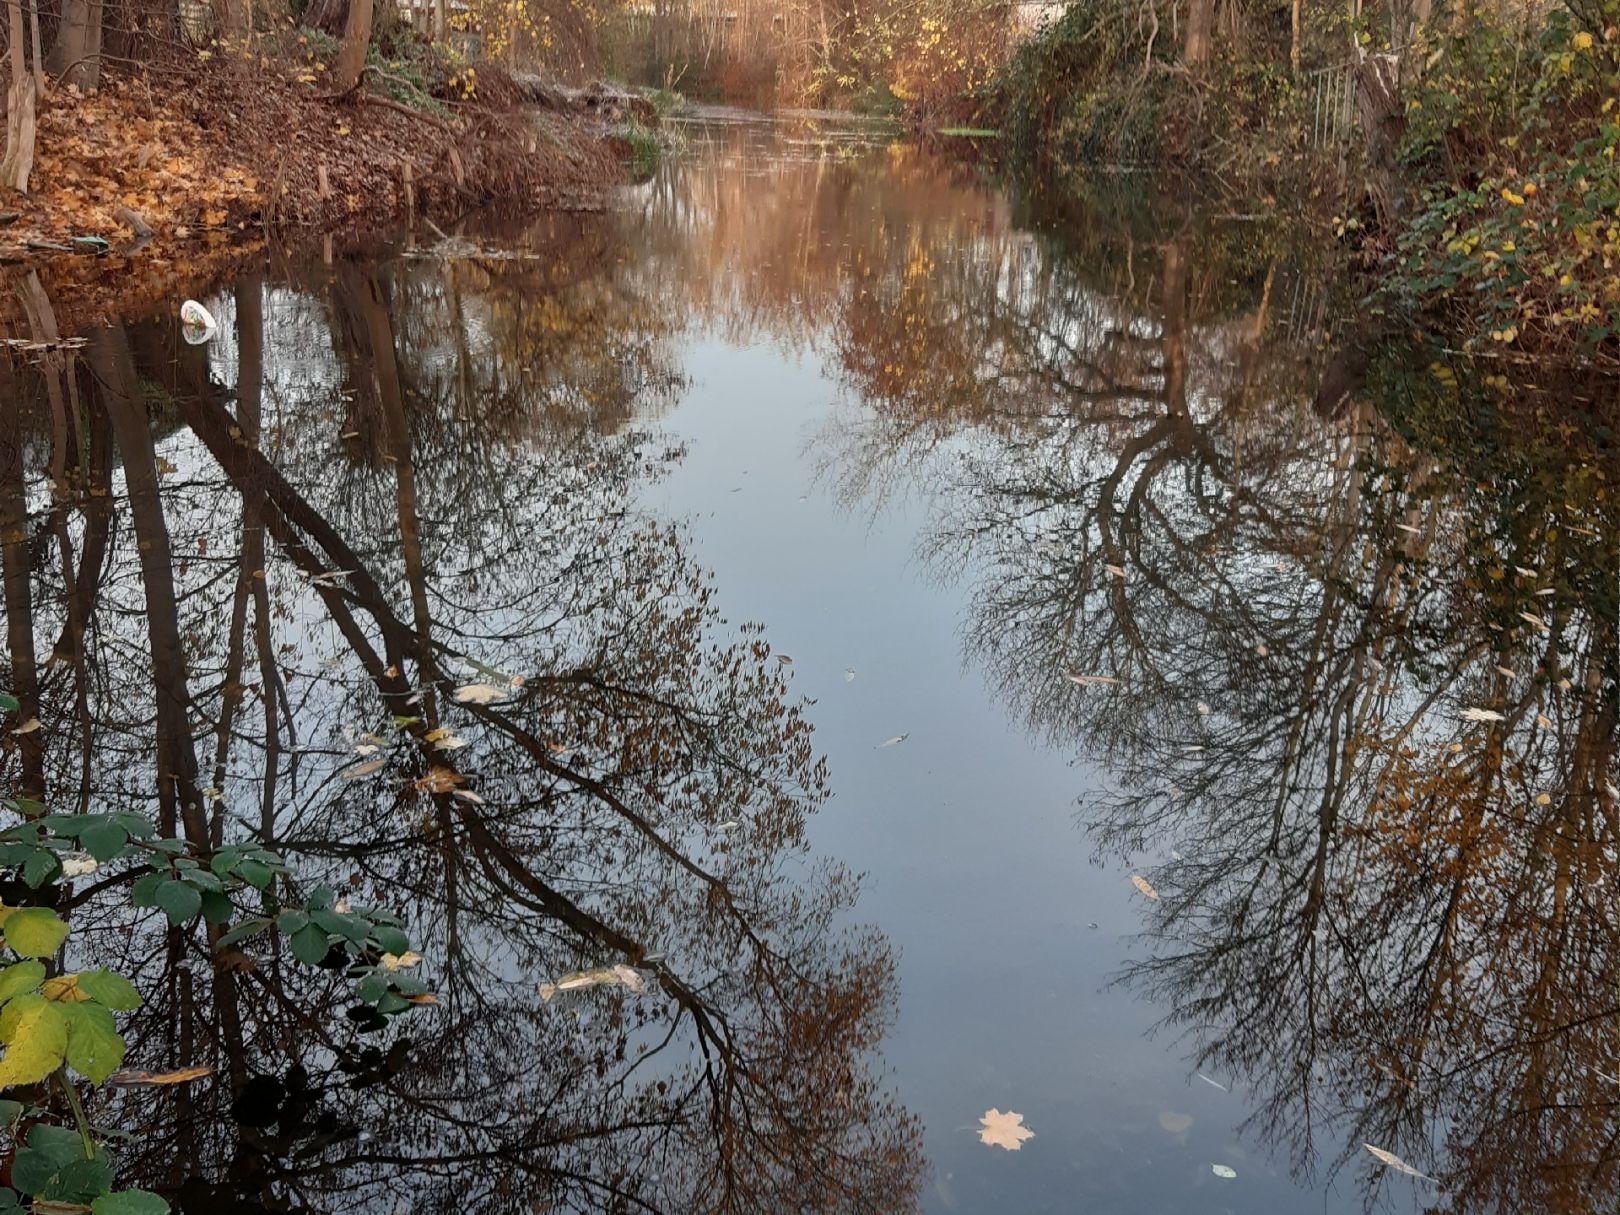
point(941, 651)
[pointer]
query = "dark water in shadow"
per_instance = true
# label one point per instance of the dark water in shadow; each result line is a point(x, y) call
point(814, 444)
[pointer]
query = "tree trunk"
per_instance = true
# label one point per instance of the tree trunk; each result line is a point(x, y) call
point(1293, 39)
point(438, 20)
point(351, 57)
point(33, 42)
point(18, 164)
point(1200, 18)
point(75, 57)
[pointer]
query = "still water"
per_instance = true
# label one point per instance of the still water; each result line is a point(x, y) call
point(929, 641)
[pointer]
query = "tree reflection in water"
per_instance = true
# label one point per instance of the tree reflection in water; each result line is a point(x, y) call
point(173, 520)
point(1391, 921)
point(1388, 921)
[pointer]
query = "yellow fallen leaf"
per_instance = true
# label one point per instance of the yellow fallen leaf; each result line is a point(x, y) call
point(399, 961)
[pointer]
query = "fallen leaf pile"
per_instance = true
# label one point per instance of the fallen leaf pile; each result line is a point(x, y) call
point(212, 154)
point(110, 149)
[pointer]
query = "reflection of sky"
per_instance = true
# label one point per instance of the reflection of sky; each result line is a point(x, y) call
point(976, 870)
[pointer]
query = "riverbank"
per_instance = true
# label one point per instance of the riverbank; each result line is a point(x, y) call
point(171, 174)
point(1467, 167)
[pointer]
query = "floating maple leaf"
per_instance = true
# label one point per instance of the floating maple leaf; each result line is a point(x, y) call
point(1004, 1130)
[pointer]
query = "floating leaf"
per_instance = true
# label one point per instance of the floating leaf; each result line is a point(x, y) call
point(603, 976)
point(1146, 887)
point(895, 741)
point(1222, 1170)
point(479, 694)
point(1480, 715)
point(365, 769)
point(398, 961)
point(1088, 680)
point(1535, 622)
point(1115, 570)
point(78, 864)
point(1003, 1130)
point(28, 727)
point(849, 674)
point(1395, 1162)
point(440, 780)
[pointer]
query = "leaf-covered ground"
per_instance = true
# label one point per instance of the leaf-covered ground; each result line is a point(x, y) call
point(214, 156)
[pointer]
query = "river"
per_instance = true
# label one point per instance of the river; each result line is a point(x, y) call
point(937, 644)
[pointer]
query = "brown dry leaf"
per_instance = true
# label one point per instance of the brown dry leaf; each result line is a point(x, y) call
point(28, 727)
point(479, 693)
point(1003, 1130)
point(1087, 680)
point(184, 1076)
point(1146, 887)
point(365, 769)
point(440, 780)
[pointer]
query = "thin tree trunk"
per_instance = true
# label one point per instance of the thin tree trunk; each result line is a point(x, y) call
point(18, 571)
point(180, 804)
point(1293, 39)
point(75, 57)
point(351, 56)
point(438, 20)
point(18, 164)
point(39, 55)
point(1200, 17)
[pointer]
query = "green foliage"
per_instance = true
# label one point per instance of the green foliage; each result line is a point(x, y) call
point(64, 1025)
point(1513, 241)
point(1100, 87)
point(32, 932)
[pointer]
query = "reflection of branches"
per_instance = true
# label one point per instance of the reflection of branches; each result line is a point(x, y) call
point(1267, 628)
point(641, 799)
